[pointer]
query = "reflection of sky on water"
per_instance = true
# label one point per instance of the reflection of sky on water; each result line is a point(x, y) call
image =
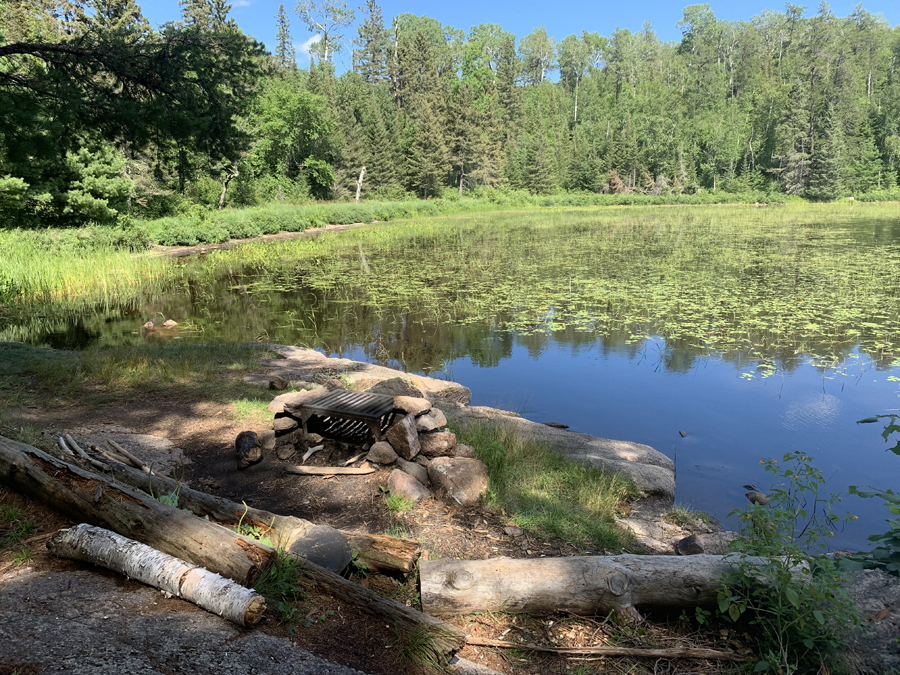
point(731, 422)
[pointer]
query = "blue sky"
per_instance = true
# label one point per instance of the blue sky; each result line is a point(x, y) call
point(561, 18)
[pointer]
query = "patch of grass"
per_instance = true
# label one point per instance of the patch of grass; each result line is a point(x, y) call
point(543, 491)
point(397, 503)
point(419, 650)
point(23, 557)
point(399, 529)
point(279, 582)
point(682, 514)
point(253, 409)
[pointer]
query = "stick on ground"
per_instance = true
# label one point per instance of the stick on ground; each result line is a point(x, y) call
point(670, 653)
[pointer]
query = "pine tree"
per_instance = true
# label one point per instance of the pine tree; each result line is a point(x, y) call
point(384, 168)
point(508, 92)
point(285, 56)
point(197, 13)
point(121, 18)
point(370, 59)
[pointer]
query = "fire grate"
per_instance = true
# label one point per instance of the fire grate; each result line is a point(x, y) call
point(348, 415)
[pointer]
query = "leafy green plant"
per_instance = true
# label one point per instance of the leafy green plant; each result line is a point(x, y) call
point(279, 581)
point(886, 556)
point(258, 532)
point(790, 590)
point(397, 503)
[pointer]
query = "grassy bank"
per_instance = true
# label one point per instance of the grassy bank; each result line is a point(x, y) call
point(547, 493)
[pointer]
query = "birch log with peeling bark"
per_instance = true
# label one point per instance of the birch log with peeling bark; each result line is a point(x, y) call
point(143, 563)
point(588, 585)
point(86, 496)
point(377, 552)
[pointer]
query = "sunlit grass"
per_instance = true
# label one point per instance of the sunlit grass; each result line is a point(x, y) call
point(547, 493)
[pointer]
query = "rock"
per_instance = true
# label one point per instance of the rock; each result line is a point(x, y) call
point(295, 399)
point(757, 497)
point(459, 479)
point(282, 425)
point(267, 440)
point(438, 444)
point(247, 448)
point(278, 383)
point(513, 531)
point(403, 437)
point(324, 546)
point(313, 440)
point(555, 425)
point(382, 453)
point(422, 461)
point(286, 452)
point(168, 323)
point(401, 483)
point(650, 470)
point(462, 666)
point(463, 450)
point(715, 543)
point(873, 644)
point(149, 325)
point(452, 392)
point(412, 405)
point(434, 419)
point(397, 386)
point(414, 469)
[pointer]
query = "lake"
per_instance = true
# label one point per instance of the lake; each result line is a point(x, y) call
point(753, 330)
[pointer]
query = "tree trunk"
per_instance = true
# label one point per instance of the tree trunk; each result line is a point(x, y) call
point(359, 183)
point(376, 552)
point(445, 639)
point(229, 176)
point(142, 563)
point(89, 497)
point(587, 585)
point(82, 495)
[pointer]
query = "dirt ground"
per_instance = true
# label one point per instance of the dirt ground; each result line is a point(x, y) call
point(321, 625)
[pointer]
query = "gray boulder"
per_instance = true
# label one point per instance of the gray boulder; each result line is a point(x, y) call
point(324, 546)
point(411, 405)
point(459, 479)
point(397, 386)
point(434, 419)
point(282, 425)
point(382, 453)
point(873, 644)
point(713, 543)
point(247, 449)
point(414, 469)
point(463, 450)
point(438, 444)
point(278, 383)
point(267, 440)
point(403, 437)
point(295, 399)
point(401, 483)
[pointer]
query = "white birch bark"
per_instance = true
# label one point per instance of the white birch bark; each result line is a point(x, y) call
point(172, 575)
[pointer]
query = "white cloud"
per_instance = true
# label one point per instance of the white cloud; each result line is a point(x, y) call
point(303, 49)
point(241, 3)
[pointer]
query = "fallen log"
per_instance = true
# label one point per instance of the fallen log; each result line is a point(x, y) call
point(376, 552)
point(586, 585)
point(89, 497)
point(83, 495)
point(667, 653)
point(172, 575)
point(407, 622)
point(329, 470)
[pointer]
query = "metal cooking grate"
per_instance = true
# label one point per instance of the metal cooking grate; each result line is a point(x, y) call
point(349, 415)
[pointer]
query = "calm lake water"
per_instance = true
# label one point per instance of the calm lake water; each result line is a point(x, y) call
point(754, 331)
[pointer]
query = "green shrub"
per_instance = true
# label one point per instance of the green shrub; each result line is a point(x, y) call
point(790, 592)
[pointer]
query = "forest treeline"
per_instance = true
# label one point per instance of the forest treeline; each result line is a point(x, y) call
point(103, 117)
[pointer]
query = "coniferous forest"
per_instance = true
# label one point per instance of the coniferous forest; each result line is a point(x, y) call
point(103, 117)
